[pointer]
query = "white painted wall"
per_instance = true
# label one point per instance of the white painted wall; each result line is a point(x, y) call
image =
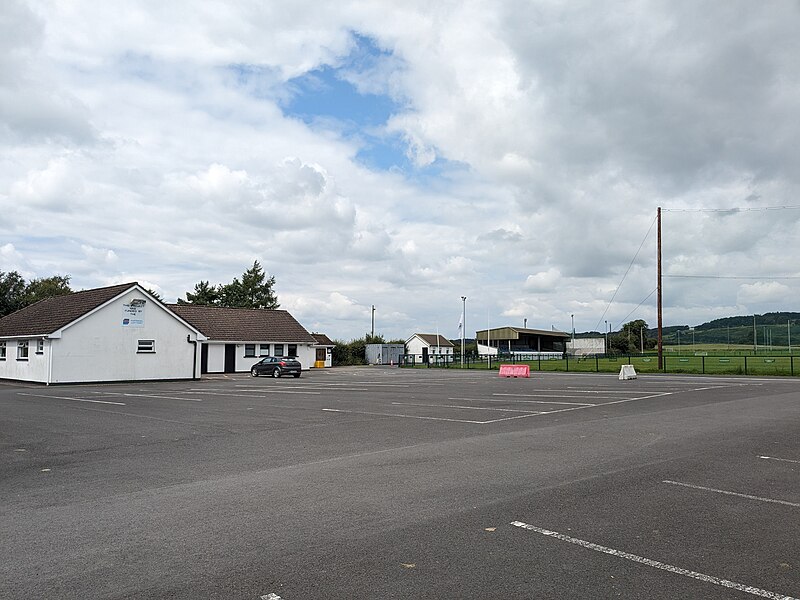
point(99, 348)
point(32, 369)
point(216, 355)
point(216, 358)
point(415, 345)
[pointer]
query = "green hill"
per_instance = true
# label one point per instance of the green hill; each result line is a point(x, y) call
point(770, 328)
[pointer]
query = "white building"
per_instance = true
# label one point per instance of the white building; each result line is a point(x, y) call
point(586, 346)
point(116, 333)
point(324, 349)
point(429, 347)
point(238, 337)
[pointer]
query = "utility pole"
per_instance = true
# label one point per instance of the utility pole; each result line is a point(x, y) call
point(373, 320)
point(755, 336)
point(660, 310)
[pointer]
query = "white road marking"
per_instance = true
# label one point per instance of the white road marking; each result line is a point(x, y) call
point(789, 460)
point(161, 397)
point(655, 564)
point(544, 401)
point(252, 395)
point(73, 399)
point(727, 493)
point(466, 407)
point(270, 596)
point(361, 412)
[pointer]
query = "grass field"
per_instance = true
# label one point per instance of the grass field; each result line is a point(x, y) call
point(708, 361)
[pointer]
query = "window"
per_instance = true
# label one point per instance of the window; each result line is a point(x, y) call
point(278, 349)
point(249, 350)
point(2, 350)
point(39, 346)
point(264, 350)
point(146, 346)
point(22, 350)
point(291, 350)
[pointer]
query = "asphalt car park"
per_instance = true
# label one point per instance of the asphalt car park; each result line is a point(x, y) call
point(392, 483)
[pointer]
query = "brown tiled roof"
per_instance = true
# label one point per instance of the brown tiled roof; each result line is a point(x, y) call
point(243, 324)
point(431, 339)
point(323, 340)
point(51, 314)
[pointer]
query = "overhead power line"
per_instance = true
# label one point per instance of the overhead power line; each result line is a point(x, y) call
point(754, 277)
point(640, 303)
point(625, 275)
point(733, 209)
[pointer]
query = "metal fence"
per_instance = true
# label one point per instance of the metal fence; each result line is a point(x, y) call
point(770, 364)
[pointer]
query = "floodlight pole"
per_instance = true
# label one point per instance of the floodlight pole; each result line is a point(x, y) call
point(373, 320)
point(660, 308)
point(789, 333)
point(463, 326)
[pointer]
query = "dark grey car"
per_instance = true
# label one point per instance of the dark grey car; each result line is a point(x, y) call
point(277, 367)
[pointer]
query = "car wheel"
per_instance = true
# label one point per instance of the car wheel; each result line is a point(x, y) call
point(296, 375)
point(276, 373)
point(253, 372)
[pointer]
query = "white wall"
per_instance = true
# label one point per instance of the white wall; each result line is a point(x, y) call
point(216, 358)
point(216, 355)
point(416, 344)
point(32, 369)
point(100, 348)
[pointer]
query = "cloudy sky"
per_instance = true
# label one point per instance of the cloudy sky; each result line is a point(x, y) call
point(405, 154)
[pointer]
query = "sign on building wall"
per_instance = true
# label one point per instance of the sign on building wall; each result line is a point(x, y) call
point(133, 313)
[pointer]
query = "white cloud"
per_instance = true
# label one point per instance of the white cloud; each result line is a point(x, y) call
point(543, 282)
point(149, 142)
point(763, 292)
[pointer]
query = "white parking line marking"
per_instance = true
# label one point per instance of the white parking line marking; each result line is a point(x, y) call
point(789, 460)
point(543, 401)
point(467, 407)
point(361, 412)
point(253, 395)
point(161, 397)
point(654, 563)
point(74, 399)
point(727, 493)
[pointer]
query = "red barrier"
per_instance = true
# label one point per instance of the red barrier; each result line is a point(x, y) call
point(515, 371)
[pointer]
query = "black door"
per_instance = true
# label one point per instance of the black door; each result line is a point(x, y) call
point(230, 358)
point(203, 358)
point(424, 355)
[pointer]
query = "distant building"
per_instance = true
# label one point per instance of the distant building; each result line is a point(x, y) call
point(522, 342)
point(238, 337)
point(429, 347)
point(384, 354)
point(586, 346)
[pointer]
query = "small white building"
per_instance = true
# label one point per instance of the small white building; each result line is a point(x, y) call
point(324, 349)
point(115, 333)
point(586, 346)
point(238, 337)
point(429, 347)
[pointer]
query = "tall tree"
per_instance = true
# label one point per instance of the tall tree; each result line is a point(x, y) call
point(254, 290)
point(629, 339)
point(47, 287)
point(12, 292)
point(204, 294)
